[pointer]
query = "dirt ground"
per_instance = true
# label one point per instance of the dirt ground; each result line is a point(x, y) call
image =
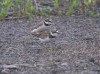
point(75, 51)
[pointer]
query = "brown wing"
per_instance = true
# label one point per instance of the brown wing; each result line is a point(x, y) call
point(42, 34)
point(38, 24)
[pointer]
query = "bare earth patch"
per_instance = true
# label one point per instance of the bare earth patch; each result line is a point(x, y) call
point(75, 51)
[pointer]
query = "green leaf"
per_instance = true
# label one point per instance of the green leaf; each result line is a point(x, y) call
point(3, 13)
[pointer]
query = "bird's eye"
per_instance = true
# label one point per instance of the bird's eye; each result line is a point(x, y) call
point(48, 20)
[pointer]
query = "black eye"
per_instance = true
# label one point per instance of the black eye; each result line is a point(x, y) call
point(48, 20)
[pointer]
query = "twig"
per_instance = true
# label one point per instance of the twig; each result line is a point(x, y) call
point(36, 4)
point(13, 18)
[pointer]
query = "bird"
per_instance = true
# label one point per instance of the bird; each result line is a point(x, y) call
point(42, 26)
point(53, 33)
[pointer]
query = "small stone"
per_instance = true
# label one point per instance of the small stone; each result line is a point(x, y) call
point(64, 64)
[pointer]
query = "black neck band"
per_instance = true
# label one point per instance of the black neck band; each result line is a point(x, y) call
point(46, 24)
point(50, 36)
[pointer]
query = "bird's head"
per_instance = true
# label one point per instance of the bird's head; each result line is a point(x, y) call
point(54, 32)
point(48, 22)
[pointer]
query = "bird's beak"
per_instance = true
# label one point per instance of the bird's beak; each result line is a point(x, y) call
point(58, 32)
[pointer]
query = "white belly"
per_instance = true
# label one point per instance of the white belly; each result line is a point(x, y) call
point(45, 40)
point(42, 28)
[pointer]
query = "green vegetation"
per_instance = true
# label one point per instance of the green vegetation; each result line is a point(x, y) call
point(72, 7)
point(82, 6)
point(56, 3)
point(21, 8)
point(18, 7)
point(43, 12)
point(5, 6)
point(89, 5)
point(29, 9)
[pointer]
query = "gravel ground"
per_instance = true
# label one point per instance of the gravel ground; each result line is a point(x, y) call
point(75, 51)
